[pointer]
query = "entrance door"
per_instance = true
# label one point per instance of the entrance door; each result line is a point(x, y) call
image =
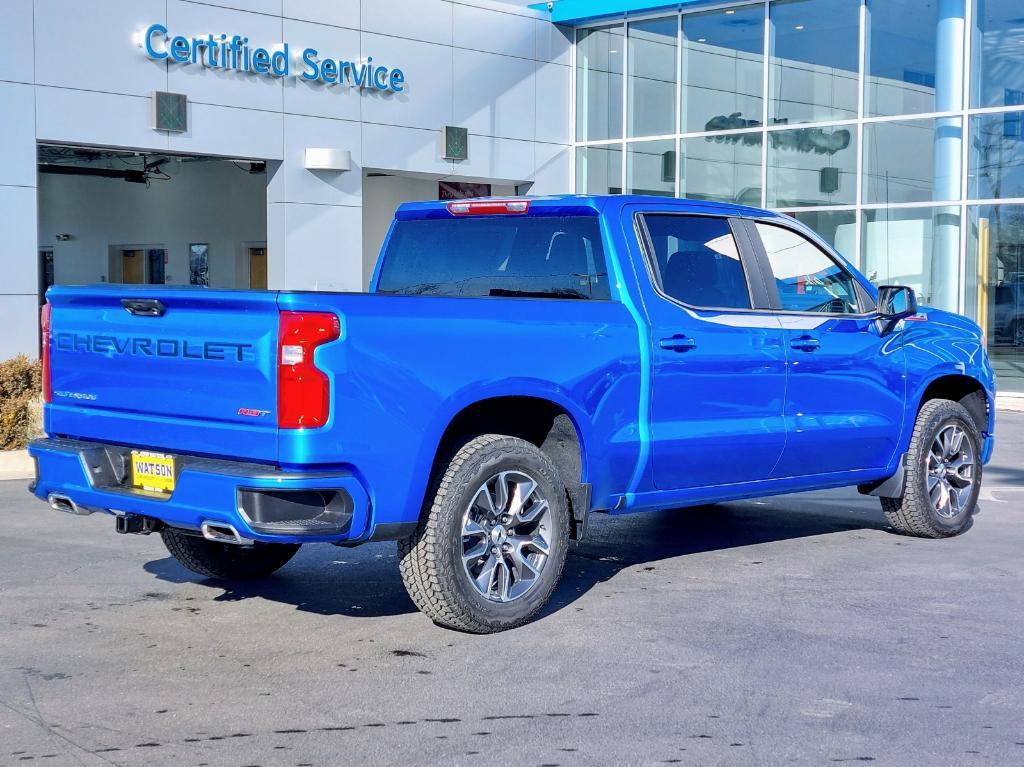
point(719, 361)
point(846, 389)
point(258, 268)
point(133, 267)
point(46, 272)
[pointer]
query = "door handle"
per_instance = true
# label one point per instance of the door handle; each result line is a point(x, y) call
point(805, 343)
point(677, 343)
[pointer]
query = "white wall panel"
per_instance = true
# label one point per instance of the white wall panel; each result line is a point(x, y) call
point(554, 43)
point(493, 31)
point(96, 49)
point(323, 247)
point(338, 13)
point(551, 175)
point(272, 7)
point(17, 134)
point(498, 159)
point(553, 108)
point(426, 101)
point(428, 20)
point(19, 317)
point(230, 132)
point(414, 150)
point(495, 95)
point(103, 119)
point(18, 256)
point(16, 41)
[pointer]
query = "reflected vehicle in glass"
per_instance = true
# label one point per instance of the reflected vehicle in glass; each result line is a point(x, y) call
point(1008, 312)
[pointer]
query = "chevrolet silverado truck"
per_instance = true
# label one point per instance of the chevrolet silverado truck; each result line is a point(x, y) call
point(516, 366)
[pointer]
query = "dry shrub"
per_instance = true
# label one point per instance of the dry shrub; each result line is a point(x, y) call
point(20, 402)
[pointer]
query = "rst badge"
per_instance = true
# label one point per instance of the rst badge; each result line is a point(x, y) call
point(252, 413)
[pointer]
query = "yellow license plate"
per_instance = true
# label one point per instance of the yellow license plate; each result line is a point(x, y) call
point(153, 471)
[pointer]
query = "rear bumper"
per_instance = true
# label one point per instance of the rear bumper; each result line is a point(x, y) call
point(261, 503)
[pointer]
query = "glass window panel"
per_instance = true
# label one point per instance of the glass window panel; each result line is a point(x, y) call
point(836, 227)
point(698, 262)
point(901, 55)
point(807, 279)
point(599, 169)
point(919, 247)
point(723, 69)
point(995, 287)
point(997, 155)
point(812, 166)
point(998, 66)
point(525, 256)
point(722, 168)
point(652, 77)
point(651, 167)
point(815, 49)
point(599, 57)
point(912, 160)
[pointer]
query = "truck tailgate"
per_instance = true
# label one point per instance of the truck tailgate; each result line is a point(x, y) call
point(185, 369)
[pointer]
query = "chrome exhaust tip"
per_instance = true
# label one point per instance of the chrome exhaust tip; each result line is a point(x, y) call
point(222, 532)
point(63, 503)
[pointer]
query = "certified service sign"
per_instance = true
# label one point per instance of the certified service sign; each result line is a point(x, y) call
point(234, 53)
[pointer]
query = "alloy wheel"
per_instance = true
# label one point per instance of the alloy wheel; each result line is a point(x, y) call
point(951, 471)
point(506, 536)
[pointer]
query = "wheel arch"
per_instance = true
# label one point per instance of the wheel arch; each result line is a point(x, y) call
point(964, 389)
point(549, 424)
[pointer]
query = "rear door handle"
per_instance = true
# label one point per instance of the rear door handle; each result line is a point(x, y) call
point(806, 343)
point(677, 343)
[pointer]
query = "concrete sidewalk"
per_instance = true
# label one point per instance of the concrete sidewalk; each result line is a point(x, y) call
point(16, 464)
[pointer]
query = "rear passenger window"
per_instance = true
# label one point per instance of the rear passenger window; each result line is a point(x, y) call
point(513, 256)
point(697, 261)
point(808, 280)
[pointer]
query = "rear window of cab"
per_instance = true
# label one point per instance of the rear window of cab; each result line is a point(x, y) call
point(510, 256)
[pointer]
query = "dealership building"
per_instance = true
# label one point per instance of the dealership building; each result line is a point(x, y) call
point(266, 143)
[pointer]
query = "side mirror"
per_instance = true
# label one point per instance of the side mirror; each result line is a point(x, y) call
point(896, 302)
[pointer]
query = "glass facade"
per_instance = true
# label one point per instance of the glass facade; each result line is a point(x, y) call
point(893, 128)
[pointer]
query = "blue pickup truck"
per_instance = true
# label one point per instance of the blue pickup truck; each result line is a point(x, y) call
point(516, 366)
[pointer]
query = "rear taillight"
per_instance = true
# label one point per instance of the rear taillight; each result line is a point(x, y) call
point(489, 208)
point(44, 325)
point(303, 390)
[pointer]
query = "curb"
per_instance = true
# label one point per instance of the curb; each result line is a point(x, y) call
point(1013, 403)
point(16, 464)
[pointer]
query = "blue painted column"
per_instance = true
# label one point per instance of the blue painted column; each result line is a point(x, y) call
point(948, 148)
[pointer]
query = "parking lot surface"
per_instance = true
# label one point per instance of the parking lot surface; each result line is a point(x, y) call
point(790, 630)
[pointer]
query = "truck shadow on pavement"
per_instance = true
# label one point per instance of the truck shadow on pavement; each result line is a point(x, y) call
point(364, 582)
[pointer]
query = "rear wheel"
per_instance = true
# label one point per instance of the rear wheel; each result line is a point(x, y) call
point(223, 560)
point(492, 545)
point(943, 473)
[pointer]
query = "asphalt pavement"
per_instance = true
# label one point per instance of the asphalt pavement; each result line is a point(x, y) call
point(789, 630)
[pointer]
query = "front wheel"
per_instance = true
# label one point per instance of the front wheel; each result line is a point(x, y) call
point(492, 545)
point(943, 473)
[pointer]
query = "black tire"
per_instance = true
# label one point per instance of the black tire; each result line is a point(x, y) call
point(431, 560)
point(225, 561)
point(914, 513)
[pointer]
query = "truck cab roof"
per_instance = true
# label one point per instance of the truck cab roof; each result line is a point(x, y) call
point(577, 204)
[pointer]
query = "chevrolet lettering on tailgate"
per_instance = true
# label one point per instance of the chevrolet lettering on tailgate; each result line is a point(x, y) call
point(155, 347)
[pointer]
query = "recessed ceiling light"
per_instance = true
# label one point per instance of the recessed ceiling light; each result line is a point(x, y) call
point(704, 40)
point(799, 27)
point(729, 13)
